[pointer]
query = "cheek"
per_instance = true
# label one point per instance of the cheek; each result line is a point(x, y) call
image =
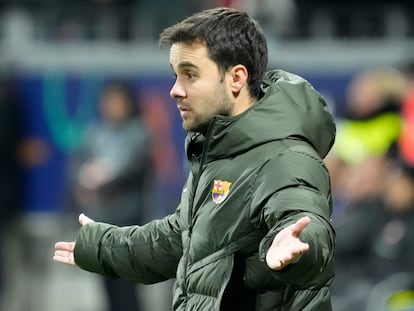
point(203, 107)
point(202, 97)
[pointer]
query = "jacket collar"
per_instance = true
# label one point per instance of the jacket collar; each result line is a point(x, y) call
point(288, 108)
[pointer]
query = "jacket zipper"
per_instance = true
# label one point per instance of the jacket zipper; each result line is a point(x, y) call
point(191, 209)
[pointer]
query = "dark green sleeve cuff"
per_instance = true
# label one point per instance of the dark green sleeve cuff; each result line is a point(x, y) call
point(87, 247)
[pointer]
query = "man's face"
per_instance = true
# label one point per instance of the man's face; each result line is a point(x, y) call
point(200, 89)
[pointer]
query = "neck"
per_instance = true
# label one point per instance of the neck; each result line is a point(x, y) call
point(242, 104)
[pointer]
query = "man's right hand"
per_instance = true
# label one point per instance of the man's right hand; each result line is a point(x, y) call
point(64, 250)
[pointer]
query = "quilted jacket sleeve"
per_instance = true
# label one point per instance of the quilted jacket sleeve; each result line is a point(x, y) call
point(299, 187)
point(314, 268)
point(144, 254)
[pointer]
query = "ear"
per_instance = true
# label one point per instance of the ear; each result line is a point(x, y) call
point(239, 77)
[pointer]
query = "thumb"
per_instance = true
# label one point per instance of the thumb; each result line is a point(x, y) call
point(83, 220)
point(301, 224)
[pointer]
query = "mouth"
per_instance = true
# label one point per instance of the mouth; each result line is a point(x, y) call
point(181, 105)
point(183, 108)
point(184, 111)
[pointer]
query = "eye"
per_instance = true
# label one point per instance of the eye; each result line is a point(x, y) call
point(190, 75)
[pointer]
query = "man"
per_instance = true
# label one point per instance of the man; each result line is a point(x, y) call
point(252, 231)
point(110, 173)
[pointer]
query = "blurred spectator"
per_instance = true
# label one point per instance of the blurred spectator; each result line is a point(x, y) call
point(356, 228)
point(373, 121)
point(393, 247)
point(390, 265)
point(374, 241)
point(372, 125)
point(111, 175)
point(360, 166)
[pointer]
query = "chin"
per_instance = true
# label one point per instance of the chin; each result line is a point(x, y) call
point(186, 126)
point(198, 128)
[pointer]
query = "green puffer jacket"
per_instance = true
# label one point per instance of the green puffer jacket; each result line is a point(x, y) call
point(251, 176)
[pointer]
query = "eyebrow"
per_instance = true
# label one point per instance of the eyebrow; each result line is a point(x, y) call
point(183, 65)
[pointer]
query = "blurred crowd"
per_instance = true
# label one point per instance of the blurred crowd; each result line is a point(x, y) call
point(138, 20)
point(110, 176)
point(372, 175)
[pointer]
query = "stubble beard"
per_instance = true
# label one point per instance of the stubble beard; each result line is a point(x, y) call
point(223, 108)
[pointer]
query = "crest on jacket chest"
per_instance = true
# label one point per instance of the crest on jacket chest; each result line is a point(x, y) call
point(220, 190)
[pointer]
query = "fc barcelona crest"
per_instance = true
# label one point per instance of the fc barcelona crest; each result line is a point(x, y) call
point(220, 190)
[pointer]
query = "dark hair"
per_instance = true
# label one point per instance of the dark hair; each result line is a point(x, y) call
point(231, 36)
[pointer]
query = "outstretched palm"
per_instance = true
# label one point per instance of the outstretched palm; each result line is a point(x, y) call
point(287, 246)
point(64, 251)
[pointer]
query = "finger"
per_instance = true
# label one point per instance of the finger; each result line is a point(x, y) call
point(279, 262)
point(63, 253)
point(65, 259)
point(300, 249)
point(65, 246)
point(277, 265)
point(273, 263)
point(301, 224)
point(304, 249)
point(83, 220)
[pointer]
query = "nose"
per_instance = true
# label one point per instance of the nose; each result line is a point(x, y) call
point(177, 91)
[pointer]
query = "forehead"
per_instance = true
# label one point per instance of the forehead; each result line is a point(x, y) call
point(195, 53)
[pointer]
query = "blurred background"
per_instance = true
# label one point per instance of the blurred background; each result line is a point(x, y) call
point(60, 127)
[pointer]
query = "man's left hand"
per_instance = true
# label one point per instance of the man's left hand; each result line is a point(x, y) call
point(287, 246)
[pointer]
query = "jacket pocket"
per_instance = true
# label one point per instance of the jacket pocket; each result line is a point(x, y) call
point(210, 276)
